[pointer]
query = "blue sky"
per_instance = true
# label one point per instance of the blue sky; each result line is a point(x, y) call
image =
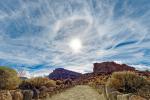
point(35, 35)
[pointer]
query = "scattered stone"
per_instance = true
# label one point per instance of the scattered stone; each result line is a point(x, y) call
point(113, 95)
point(135, 97)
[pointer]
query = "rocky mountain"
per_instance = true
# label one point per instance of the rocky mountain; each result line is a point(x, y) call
point(61, 73)
point(110, 67)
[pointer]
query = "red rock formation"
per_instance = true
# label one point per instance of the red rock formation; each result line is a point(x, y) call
point(144, 73)
point(109, 67)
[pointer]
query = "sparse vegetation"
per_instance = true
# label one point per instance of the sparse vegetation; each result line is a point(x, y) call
point(43, 87)
point(8, 78)
point(126, 82)
point(37, 83)
point(59, 82)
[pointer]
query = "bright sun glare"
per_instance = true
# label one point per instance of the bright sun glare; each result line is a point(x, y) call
point(75, 45)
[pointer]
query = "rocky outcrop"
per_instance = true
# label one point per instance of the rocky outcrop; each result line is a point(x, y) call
point(43, 92)
point(16, 95)
point(36, 93)
point(61, 73)
point(110, 67)
point(136, 97)
point(144, 73)
point(27, 95)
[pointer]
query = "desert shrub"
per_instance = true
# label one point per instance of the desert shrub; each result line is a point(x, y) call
point(59, 82)
point(100, 81)
point(8, 78)
point(50, 83)
point(148, 78)
point(37, 83)
point(67, 82)
point(91, 84)
point(25, 84)
point(126, 82)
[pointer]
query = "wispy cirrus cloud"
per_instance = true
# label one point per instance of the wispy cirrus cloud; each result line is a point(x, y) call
point(38, 33)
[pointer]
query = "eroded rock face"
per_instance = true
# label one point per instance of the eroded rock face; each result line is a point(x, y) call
point(5, 95)
point(110, 67)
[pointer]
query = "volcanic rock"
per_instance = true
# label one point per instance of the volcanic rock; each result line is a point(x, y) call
point(27, 94)
point(61, 73)
point(110, 67)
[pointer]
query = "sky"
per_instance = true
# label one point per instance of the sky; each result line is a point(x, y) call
point(37, 36)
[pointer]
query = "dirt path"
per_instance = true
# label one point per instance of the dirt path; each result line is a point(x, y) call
point(81, 92)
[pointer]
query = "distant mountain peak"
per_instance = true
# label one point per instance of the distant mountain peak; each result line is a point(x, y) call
point(61, 73)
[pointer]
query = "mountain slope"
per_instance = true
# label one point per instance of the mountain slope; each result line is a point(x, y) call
point(61, 73)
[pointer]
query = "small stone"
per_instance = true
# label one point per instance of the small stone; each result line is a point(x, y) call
point(135, 97)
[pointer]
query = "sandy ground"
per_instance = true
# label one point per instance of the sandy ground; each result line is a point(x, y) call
point(81, 92)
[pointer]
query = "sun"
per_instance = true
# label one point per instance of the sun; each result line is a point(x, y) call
point(76, 45)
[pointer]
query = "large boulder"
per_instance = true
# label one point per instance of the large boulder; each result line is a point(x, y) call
point(43, 92)
point(16, 95)
point(36, 93)
point(27, 94)
point(113, 95)
point(110, 93)
point(135, 97)
point(123, 97)
point(5, 95)
point(110, 67)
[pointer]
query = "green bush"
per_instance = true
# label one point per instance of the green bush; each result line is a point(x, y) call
point(8, 78)
point(126, 82)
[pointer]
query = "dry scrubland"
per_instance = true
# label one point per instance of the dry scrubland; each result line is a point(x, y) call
point(118, 86)
point(124, 85)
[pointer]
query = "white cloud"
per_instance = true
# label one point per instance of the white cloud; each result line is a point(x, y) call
point(106, 34)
